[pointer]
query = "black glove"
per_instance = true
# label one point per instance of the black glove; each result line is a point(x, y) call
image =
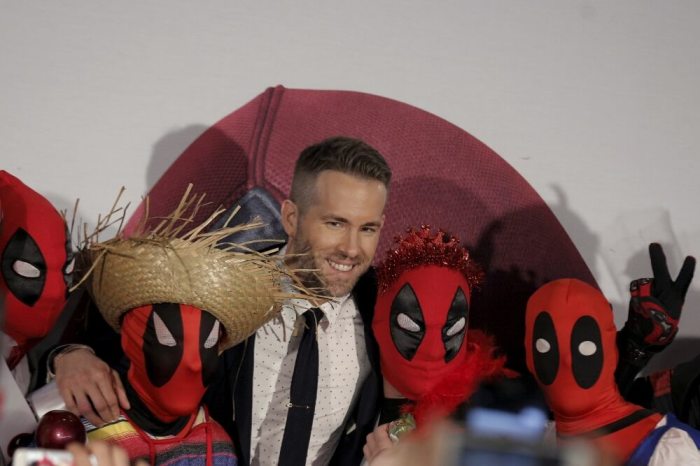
point(654, 311)
point(656, 303)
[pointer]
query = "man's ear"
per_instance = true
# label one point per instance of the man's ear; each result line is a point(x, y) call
point(290, 217)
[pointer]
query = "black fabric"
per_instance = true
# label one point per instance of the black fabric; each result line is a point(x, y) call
point(142, 416)
point(302, 395)
point(459, 309)
point(683, 400)
point(406, 304)
point(685, 390)
point(209, 356)
point(614, 426)
point(547, 363)
point(163, 360)
point(22, 247)
point(390, 409)
point(234, 381)
point(586, 368)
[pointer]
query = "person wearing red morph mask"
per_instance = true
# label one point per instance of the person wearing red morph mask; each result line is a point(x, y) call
point(171, 298)
point(430, 362)
point(571, 351)
point(36, 270)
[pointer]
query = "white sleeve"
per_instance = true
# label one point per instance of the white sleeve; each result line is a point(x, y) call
point(675, 447)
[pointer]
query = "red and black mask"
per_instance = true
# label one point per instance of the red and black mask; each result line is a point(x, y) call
point(173, 349)
point(570, 347)
point(422, 310)
point(36, 261)
point(420, 323)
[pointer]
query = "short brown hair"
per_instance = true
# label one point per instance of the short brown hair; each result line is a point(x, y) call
point(342, 154)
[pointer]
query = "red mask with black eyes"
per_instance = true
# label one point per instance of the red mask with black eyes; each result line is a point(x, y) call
point(570, 349)
point(420, 323)
point(36, 262)
point(173, 350)
point(422, 310)
point(570, 346)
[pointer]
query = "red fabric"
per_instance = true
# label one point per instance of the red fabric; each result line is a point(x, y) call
point(661, 382)
point(30, 318)
point(434, 287)
point(578, 409)
point(457, 386)
point(182, 394)
point(442, 176)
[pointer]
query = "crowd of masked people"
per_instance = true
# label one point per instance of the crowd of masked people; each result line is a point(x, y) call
point(204, 341)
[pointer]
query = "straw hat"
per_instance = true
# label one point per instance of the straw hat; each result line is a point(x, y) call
point(243, 289)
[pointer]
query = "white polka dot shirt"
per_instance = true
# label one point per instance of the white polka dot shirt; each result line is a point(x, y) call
point(343, 366)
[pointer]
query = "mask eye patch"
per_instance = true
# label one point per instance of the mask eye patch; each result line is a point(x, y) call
point(163, 335)
point(586, 354)
point(162, 353)
point(209, 334)
point(24, 268)
point(545, 348)
point(406, 314)
point(213, 337)
point(454, 330)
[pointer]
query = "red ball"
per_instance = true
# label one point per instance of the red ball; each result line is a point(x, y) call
point(58, 428)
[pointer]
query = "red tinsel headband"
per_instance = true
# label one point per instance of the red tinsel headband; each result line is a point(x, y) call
point(423, 247)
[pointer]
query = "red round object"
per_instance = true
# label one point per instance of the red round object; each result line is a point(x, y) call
point(58, 428)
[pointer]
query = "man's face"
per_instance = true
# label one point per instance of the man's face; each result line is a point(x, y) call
point(339, 228)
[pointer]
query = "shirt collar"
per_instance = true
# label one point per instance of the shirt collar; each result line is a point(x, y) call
point(331, 308)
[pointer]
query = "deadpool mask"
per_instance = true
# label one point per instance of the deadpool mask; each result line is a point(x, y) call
point(36, 261)
point(420, 323)
point(570, 346)
point(173, 349)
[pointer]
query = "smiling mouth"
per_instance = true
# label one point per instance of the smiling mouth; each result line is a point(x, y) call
point(340, 267)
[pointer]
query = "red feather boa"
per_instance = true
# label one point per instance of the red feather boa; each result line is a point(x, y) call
point(481, 364)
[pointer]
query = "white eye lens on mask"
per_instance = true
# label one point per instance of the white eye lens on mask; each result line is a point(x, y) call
point(213, 337)
point(542, 345)
point(456, 327)
point(25, 269)
point(407, 323)
point(587, 348)
point(163, 335)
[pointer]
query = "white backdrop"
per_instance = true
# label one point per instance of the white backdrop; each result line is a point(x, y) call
point(595, 103)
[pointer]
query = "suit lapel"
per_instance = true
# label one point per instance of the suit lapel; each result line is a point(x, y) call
point(241, 373)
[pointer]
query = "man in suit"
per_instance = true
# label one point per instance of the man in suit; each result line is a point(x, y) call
point(333, 218)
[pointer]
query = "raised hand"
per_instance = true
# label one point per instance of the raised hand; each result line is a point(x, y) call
point(654, 311)
point(656, 303)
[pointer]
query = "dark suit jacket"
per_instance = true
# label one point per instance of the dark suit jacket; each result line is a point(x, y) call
point(234, 382)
